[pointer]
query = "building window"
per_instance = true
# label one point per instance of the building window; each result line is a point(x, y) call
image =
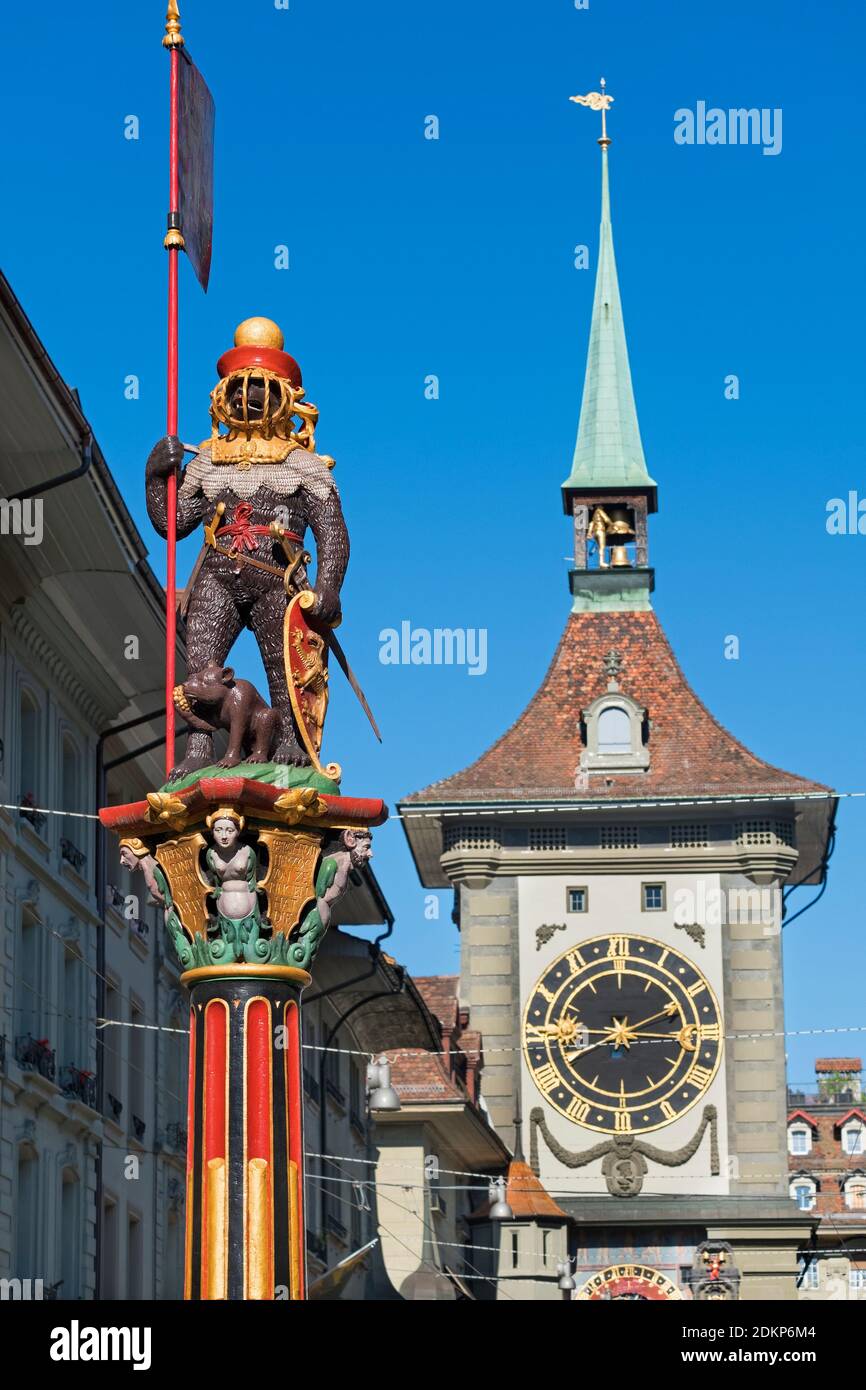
point(809, 1273)
point(30, 720)
point(577, 899)
point(71, 1239)
point(134, 1256)
point(653, 897)
point(27, 1263)
point(855, 1194)
point(799, 1139)
point(614, 730)
point(109, 1290)
point(803, 1193)
point(852, 1138)
point(515, 1249)
point(857, 1279)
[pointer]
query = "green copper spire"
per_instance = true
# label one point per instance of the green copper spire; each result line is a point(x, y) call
point(608, 453)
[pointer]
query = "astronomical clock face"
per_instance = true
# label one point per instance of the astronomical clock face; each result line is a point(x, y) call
point(622, 1034)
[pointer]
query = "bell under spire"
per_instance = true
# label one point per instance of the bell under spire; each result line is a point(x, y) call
point(608, 452)
point(609, 492)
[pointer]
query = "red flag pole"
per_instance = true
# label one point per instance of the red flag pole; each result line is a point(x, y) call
point(173, 41)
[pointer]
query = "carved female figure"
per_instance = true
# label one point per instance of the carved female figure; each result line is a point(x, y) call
point(234, 871)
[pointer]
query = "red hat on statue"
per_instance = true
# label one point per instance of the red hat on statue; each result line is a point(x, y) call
point(259, 343)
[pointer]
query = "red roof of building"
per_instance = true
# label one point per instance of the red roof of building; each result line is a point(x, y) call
point(527, 1196)
point(421, 1077)
point(803, 1115)
point(690, 751)
point(829, 1064)
point(855, 1114)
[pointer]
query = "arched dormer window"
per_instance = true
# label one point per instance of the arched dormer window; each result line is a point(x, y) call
point(853, 1136)
point(614, 728)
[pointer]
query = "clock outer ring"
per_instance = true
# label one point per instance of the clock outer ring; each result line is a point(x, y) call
point(651, 941)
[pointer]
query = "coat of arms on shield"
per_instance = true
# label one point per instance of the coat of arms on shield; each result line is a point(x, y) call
point(306, 656)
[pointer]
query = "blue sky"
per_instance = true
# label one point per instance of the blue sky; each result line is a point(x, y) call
point(454, 257)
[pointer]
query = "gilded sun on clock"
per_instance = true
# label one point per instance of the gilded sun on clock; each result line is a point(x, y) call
point(622, 1034)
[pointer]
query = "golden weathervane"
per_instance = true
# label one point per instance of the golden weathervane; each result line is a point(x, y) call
point(597, 101)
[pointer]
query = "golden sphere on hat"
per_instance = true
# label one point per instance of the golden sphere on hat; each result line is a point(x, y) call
point(259, 332)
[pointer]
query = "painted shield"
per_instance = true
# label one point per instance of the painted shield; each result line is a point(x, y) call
point(306, 657)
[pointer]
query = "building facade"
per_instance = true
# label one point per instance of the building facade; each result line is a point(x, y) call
point(434, 1158)
point(827, 1177)
point(91, 1119)
point(617, 859)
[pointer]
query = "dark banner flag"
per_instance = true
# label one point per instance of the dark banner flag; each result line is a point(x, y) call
point(195, 166)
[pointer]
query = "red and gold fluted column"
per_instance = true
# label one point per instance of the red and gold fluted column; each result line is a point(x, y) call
point(246, 875)
point(245, 1208)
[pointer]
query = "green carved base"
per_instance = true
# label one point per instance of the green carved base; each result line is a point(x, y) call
point(273, 774)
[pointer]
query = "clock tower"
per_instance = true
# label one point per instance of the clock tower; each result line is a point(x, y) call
point(617, 859)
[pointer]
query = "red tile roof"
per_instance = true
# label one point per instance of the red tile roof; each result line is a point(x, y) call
point(439, 993)
point(420, 1078)
point(855, 1114)
point(424, 1077)
point(527, 1196)
point(825, 1064)
point(690, 752)
point(802, 1115)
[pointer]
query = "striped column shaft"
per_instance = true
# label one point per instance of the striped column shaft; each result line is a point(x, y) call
point(245, 1161)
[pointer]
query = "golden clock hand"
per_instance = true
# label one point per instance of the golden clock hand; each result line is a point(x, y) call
point(681, 1036)
point(667, 1012)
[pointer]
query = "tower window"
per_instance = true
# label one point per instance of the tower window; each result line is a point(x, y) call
point(614, 731)
point(653, 897)
point(577, 899)
point(799, 1140)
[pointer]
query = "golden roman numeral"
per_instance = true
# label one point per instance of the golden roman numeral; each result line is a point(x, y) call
point(622, 1122)
point(618, 946)
point(575, 961)
point(696, 988)
point(577, 1109)
point(536, 1033)
point(709, 1032)
point(668, 1110)
point(698, 1076)
point(545, 994)
point(547, 1077)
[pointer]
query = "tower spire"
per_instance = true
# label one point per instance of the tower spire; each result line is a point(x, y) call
point(608, 452)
